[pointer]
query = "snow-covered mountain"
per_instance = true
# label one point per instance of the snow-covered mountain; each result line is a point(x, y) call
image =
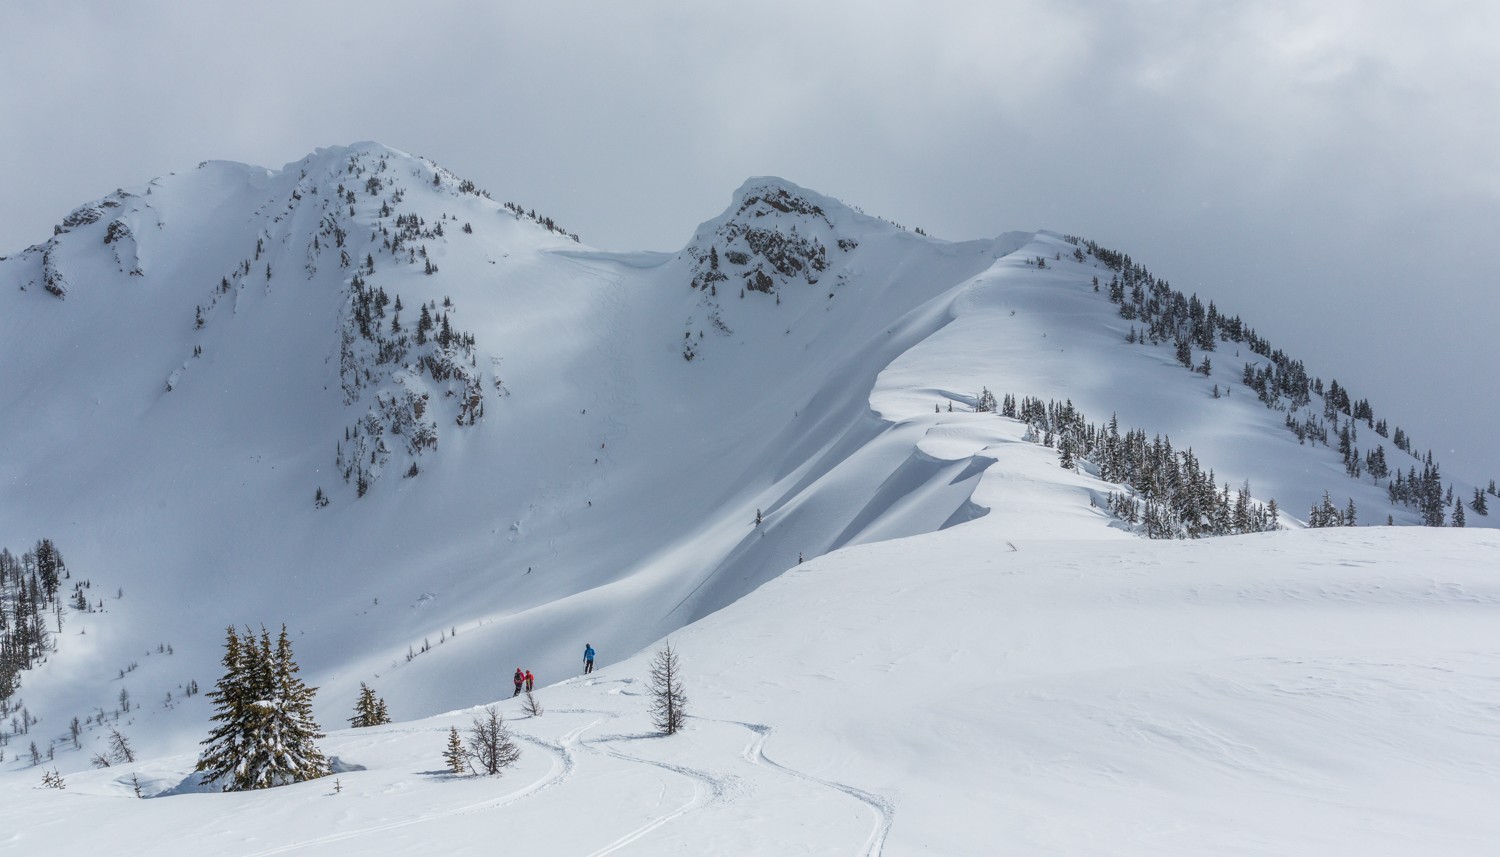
point(437, 436)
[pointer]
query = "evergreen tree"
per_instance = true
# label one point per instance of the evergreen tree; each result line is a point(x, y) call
point(294, 756)
point(225, 748)
point(49, 567)
point(265, 729)
point(986, 403)
point(368, 709)
point(1326, 514)
point(1185, 353)
point(456, 757)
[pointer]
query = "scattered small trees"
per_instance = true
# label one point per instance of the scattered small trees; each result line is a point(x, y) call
point(491, 748)
point(668, 700)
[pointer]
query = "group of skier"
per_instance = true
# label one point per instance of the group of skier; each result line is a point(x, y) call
point(524, 680)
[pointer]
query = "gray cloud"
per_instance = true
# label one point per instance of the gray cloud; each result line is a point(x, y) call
point(1325, 169)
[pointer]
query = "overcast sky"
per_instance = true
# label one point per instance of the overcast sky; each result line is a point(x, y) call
point(1328, 170)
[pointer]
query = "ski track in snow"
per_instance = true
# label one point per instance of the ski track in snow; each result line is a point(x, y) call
point(564, 762)
point(702, 781)
point(884, 810)
point(719, 786)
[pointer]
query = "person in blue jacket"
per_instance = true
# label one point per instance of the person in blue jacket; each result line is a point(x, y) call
point(588, 658)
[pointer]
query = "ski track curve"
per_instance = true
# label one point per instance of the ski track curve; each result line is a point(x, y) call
point(709, 789)
point(704, 783)
point(564, 762)
point(717, 787)
point(883, 809)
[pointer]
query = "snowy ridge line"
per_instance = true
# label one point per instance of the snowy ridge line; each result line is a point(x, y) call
point(884, 809)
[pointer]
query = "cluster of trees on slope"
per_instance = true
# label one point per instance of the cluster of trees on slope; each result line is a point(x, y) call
point(377, 180)
point(1281, 382)
point(375, 344)
point(371, 351)
point(1170, 494)
point(29, 586)
point(374, 340)
point(540, 219)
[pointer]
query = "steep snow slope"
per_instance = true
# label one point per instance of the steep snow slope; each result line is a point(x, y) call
point(605, 489)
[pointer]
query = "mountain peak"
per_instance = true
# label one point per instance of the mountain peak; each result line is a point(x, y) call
point(774, 231)
point(761, 195)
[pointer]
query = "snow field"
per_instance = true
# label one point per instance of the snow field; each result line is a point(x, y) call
point(973, 658)
point(1291, 693)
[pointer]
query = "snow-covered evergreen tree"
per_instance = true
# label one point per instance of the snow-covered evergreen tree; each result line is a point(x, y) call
point(265, 734)
point(224, 748)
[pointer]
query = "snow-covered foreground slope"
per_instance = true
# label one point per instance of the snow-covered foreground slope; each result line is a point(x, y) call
point(1292, 693)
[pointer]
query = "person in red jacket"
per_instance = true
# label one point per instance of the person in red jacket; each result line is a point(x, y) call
point(520, 679)
point(529, 679)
